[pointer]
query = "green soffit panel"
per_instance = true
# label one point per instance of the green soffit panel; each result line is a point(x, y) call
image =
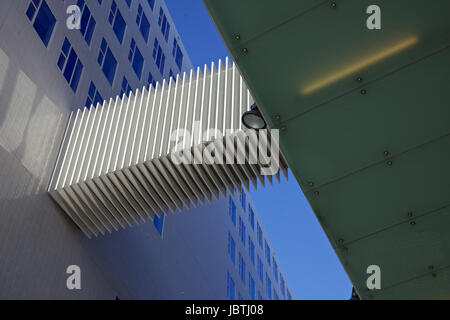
point(366, 125)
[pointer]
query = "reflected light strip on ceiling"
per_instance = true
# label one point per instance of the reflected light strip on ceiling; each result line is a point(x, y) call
point(323, 82)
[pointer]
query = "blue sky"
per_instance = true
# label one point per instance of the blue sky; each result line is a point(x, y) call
point(310, 264)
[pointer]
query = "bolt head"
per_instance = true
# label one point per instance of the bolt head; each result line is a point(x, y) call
point(386, 153)
point(278, 117)
point(359, 79)
point(311, 184)
point(341, 240)
point(413, 223)
point(237, 37)
point(333, 5)
point(389, 163)
point(410, 214)
point(316, 193)
point(363, 91)
point(245, 51)
point(283, 128)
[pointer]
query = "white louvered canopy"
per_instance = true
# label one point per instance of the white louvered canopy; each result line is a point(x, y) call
point(115, 167)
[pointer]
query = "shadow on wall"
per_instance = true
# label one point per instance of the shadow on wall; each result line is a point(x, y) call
point(37, 240)
point(31, 124)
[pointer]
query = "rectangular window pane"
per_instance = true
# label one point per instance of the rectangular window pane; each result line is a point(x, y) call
point(76, 76)
point(44, 23)
point(119, 26)
point(70, 65)
point(138, 63)
point(90, 31)
point(109, 66)
point(158, 223)
point(145, 28)
point(30, 11)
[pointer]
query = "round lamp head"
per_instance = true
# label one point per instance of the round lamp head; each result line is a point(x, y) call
point(253, 119)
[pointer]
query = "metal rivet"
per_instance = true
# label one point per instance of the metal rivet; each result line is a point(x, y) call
point(311, 184)
point(359, 79)
point(333, 5)
point(386, 153)
point(410, 214)
point(389, 163)
point(278, 117)
point(413, 223)
point(434, 275)
point(237, 37)
point(363, 91)
point(283, 128)
point(316, 193)
point(245, 51)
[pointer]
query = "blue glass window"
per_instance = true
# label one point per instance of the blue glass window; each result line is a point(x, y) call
point(259, 235)
point(70, 65)
point(143, 23)
point(151, 3)
point(275, 269)
point(282, 286)
point(115, 18)
point(243, 199)
point(260, 269)
point(87, 25)
point(242, 230)
point(136, 58)
point(107, 61)
point(231, 248)
point(159, 56)
point(267, 251)
point(251, 287)
point(241, 268)
point(164, 24)
point(177, 54)
point(42, 18)
point(128, 2)
point(158, 222)
point(150, 80)
point(125, 89)
point(251, 250)
point(268, 287)
point(232, 210)
point(93, 97)
point(251, 217)
point(289, 296)
point(230, 287)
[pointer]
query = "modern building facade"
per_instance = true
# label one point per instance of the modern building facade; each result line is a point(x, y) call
point(47, 70)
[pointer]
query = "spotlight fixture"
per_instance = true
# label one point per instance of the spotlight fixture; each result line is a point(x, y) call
point(253, 119)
